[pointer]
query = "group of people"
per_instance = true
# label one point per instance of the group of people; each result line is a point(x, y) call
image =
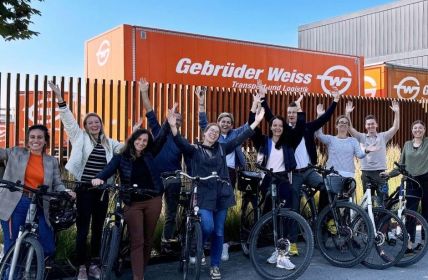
point(289, 148)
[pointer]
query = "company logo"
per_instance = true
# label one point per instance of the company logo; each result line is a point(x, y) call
point(408, 88)
point(103, 53)
point(342, 83)
point(371, 90)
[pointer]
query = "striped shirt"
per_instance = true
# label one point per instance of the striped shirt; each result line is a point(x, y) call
point(96, 162)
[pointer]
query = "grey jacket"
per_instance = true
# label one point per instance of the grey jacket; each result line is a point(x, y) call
point(17, 159)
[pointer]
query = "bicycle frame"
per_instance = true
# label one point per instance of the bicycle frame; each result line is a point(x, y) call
point(367, 204)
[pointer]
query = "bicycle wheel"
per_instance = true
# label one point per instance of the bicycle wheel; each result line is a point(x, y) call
point(390, 240)
point(248, 219)
point(269, 258)
point(109, 250)
point(30, 263)
point(192, 250)
point(417, 229)
point(344, 242)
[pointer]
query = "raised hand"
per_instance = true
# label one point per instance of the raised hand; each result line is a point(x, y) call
point(320, 109)
point(395, 107)
point(200, 93)
point(56, 90)
point(261, 89)
point(298, 101)
point(137, 126)
point(260, 115)
point(335, 93)
point(257, 98)
point(349, 107)
point(144, 85)
point(172, 117)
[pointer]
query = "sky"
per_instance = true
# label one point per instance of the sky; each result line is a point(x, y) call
point(65, 25)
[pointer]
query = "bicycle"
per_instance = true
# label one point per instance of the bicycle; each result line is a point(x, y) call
point(275, 232)
point(114, 229)
point(415, 223)
point(390, 240)
point(190, 235)
point(343, 230)
point(248, 184)
point(25, 259)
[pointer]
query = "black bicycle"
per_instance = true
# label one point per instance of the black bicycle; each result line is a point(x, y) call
point(343, 230)
point(409, 191)
point(281, 241)
point(251, 201)
point(190, 231)
point(25, 259)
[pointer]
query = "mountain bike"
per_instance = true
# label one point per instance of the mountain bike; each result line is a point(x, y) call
point(343, 231)
point(274, 235)
point(391, 237)
point(190, 231)
point(25, 259)
point(409, 192)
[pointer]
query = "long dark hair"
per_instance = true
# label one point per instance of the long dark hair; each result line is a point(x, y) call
point(281, 140)
point(45, 134)
point(129, 151)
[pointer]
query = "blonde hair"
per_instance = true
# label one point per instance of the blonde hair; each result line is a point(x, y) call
point(226, 115)
point(103, 139)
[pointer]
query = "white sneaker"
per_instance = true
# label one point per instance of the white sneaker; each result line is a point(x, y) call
point(94, 271)
point(82, 273)
point(272, 259)
point(192, 260)
point(284, 262)
point(225, 252)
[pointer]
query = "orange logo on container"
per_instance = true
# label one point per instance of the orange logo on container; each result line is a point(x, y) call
point(334, 81)
point(371, 89)
point(408, 88)
point(103, 52)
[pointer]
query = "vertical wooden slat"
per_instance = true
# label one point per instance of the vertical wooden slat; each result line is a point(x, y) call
point(51, 121)
point(36, 99)
point(118, 110)
point(45, 100)
point(17, 106)
point(26, 103)
point(72, 108)
point(8, 95)
point(87, 95)
point(103, 98)
point(95, 96)
point(110, 119)
point(79, 100)
point(127, 111)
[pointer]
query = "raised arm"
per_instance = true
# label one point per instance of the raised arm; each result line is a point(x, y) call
point(150, 114)
point(181, 143)
point(200, 95)
point(348, 110)
point(396, 125)
point(70, 124)
point(326, 116)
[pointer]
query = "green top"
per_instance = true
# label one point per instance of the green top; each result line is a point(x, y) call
point(415, 159)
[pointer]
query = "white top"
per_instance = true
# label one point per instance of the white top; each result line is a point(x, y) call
point(276, 160)
point(301, 155)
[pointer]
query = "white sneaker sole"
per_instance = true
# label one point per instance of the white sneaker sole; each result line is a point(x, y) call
point(284, 267)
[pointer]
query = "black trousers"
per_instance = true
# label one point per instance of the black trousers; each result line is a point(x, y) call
point(89, 207)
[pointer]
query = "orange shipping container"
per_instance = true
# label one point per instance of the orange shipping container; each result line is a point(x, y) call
point(130, 52)
point(389, 80)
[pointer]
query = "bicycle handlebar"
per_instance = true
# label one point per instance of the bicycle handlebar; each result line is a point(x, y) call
point(324, 171)
point(41, 191)
point(178, 174)
point(270, 172)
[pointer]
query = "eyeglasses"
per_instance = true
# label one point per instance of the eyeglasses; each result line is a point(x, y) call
point(342, 122)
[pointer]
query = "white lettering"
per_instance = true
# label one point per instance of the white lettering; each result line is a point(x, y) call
point(183, 66)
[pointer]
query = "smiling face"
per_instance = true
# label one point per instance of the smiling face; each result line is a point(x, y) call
point(342, 125)
point(141, 143)
point(277, 127)
point(211, 134)
point(292, 115)
point(418, 130)
point(36, 141)
point(93, 125)
point(225, 124)
point(371, 126)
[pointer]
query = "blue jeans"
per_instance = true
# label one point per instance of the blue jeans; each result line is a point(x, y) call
point(46, 235)
point(212, 223)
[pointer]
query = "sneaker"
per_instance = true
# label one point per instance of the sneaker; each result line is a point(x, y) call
point(225, 252)
point(273, 258)
point(215, 273)
point(294, 251)
point(82, 273)
point(94, 271)
point(331, 227)
point(284, 262)
point(192, 260)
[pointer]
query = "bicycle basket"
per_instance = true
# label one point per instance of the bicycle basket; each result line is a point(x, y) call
point(186, 185)
point(249, 181)
point(336, 183)
point(62, 213)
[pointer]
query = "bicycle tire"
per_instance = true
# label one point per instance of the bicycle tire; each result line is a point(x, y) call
point(247, 221)
point(37, 268)
point(109, 250)
point(390, 241)
point(262, 244)
point(421, 234)
point(349, 245)
point(193, 242)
